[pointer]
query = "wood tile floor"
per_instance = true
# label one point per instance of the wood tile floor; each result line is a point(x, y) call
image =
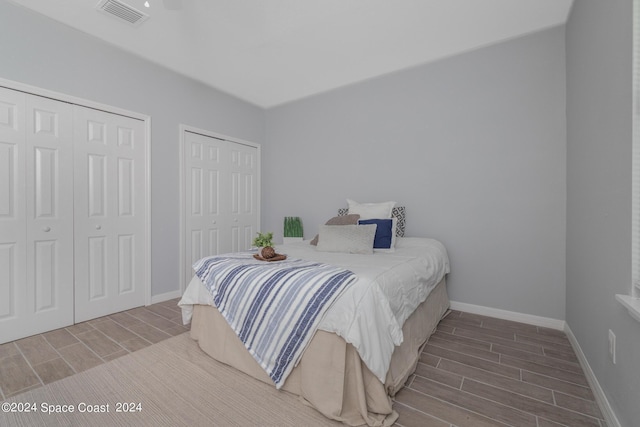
point(40, 359)
point(475, 371)
point(479, 371)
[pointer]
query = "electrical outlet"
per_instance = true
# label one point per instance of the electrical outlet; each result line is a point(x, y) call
point(612, 346)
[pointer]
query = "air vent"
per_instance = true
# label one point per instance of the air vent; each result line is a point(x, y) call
point(122, 11)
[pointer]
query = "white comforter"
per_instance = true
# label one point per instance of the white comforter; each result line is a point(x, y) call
point(371, 312)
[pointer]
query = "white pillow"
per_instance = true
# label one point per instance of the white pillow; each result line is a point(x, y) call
point(371, 210)
point(351, 239)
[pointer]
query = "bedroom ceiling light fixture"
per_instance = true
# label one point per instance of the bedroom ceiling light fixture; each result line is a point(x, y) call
point(146, 4)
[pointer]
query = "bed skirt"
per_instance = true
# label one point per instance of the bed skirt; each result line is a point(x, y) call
point(331, 377)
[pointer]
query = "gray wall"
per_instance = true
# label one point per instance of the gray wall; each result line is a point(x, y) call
point(599, 135)
point(41, 52)
point(474, 146)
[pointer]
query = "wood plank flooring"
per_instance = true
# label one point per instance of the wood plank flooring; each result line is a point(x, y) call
point(31, 362)
point(480, 371)
point(475, 371)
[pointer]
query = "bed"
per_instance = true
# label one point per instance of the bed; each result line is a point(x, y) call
point(368, 342)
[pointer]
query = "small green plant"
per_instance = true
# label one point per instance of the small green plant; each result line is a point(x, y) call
point(263, 240)
point(292, 226)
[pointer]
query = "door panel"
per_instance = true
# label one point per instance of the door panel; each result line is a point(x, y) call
point(196, 191)
point(244, 170)
point(97, 266)
point(45, 277)
point(221, 197)
point(110, 213)
point(49, 186)
point(96, 184)
point(236, 243)
point(125, 187)
point(214, 192)
point(197, 249)
point(8, 285)
point(204, 220)
point(126, 262)
point(36, 224)
point(8, 156)
point(46, 172)
point(13, 224)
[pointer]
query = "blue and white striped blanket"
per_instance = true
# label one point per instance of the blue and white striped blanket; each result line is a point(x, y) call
point(273, 307)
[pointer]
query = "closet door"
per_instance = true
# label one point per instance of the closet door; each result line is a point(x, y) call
point(244, 195)
point(13, 221)
point(110, 213)
point(221, 197)
point(36, 218)
point(49, 189)
point(206, 175)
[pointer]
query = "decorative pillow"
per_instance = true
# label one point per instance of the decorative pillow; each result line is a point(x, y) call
point(385, 239)
point(351, 239)
point(397, 212)
point(371, 210)
point(339, 220)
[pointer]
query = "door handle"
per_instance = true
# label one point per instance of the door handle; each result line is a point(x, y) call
point(46, 229)
point(98, 227)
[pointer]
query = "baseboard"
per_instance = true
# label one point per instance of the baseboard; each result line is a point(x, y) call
point(165, 297)
point(546, 322)
point(603, 402)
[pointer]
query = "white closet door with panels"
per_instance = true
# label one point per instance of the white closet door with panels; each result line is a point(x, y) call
point(207, 173)
point(73, 213)
point(244, 195)
point(221, 186)
point(110, 213)
point(36, 217)
point(13, 219)
point(49, 190)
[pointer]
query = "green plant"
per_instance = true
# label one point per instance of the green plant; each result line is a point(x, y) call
point(292, 226)
point(263, 240)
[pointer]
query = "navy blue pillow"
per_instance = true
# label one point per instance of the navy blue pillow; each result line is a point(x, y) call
point(384, 232)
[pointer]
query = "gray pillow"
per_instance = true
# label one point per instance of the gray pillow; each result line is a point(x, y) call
point(351, 239)
point(351, 219)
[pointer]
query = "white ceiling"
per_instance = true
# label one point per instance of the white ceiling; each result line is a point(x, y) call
point(270, 52)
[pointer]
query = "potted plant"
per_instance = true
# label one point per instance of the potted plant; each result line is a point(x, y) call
point(264, 243)
point(292, 229)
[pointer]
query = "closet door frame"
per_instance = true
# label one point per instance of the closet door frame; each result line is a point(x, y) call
point(34, 90)
point(183, 197)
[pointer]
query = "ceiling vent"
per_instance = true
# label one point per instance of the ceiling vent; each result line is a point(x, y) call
point(122, 11)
